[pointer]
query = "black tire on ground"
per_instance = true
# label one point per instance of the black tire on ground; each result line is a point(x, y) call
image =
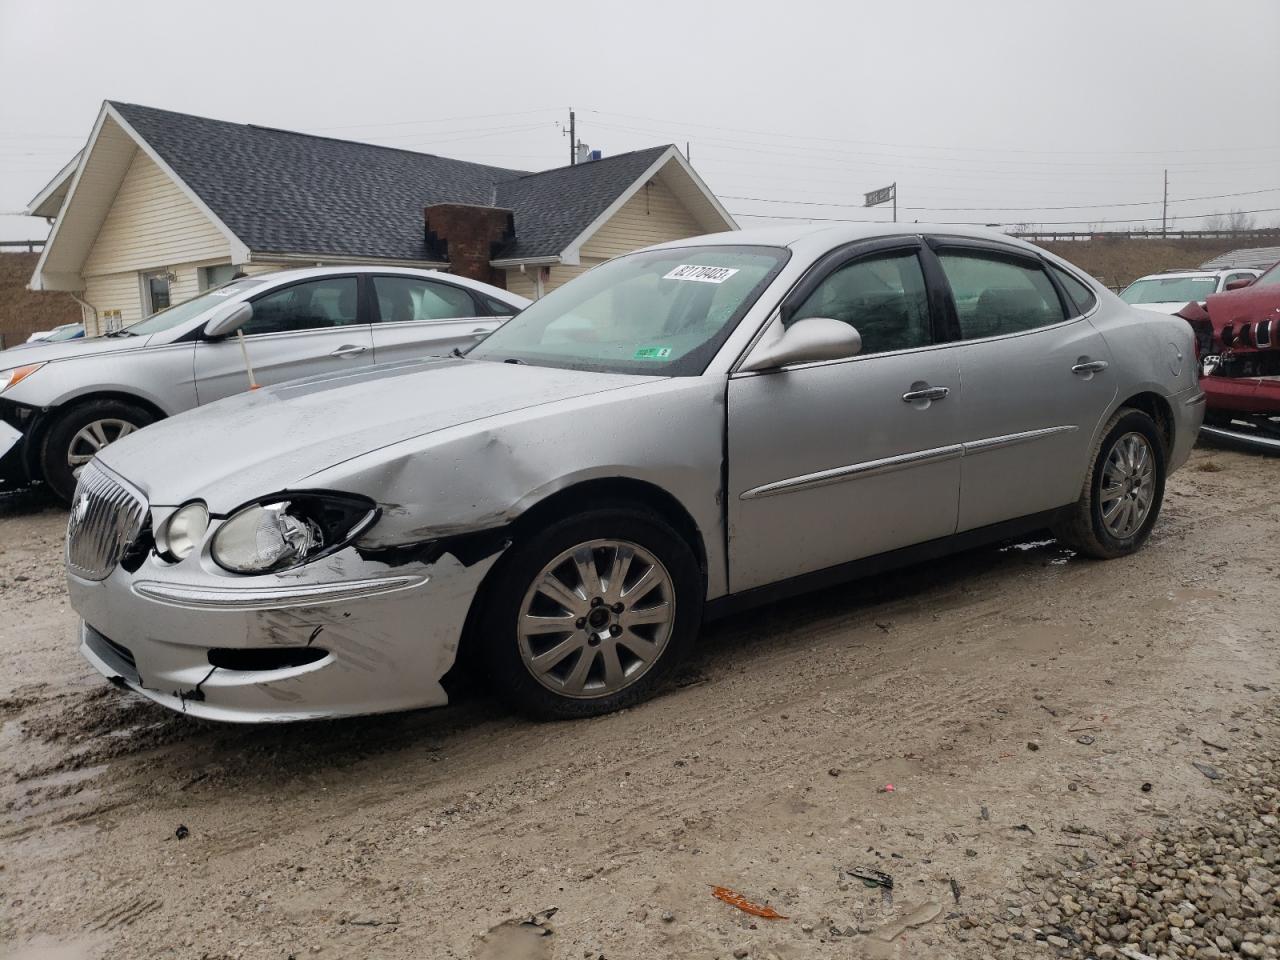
point(497, 652)
point(1082, 526)
point(55, 469)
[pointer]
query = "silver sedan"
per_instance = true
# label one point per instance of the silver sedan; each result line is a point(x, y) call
point(680, 432)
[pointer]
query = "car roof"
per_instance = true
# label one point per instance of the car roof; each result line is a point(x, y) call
point(814, 237)
point(1183, 274)
point(303, 273)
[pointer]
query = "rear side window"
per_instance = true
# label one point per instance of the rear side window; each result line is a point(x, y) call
point(407, 298)
point(883, 297)
point(1081, 295)
point(996, 296)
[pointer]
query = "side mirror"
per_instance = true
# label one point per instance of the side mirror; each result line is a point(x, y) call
point(1239, 284)
point(807, 340)
point(229, 322)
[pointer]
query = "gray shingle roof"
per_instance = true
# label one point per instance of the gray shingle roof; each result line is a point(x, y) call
point(284, 192)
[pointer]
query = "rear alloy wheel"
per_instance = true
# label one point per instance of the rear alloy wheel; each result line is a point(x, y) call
point(590, 614)
point(1122, 492)
point(78, 435)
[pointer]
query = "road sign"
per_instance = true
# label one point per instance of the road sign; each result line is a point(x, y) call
point(883, 195)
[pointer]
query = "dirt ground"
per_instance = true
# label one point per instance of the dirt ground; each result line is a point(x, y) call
point(1017, 698)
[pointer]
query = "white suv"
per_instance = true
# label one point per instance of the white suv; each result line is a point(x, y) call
point(1172, 290)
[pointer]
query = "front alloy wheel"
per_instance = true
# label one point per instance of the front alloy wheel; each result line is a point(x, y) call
point(596, 618)
point(589, 613)
point(92, 437)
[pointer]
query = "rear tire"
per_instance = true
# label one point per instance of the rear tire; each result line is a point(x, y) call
point(622, 633)
point(79, 433)
point(1123, 490)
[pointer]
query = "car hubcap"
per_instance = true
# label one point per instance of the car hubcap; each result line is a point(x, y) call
point(1128, 485)
point(91, 438)
point(596, 619)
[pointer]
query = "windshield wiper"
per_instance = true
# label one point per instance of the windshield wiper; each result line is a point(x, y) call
point(122, 332)
point(513, 360)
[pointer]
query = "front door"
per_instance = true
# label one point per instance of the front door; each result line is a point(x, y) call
point(414, 317)
point(1037, 380)
point(837, 460)
point(307, 328)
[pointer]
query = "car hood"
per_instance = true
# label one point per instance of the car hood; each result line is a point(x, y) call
point(274, 438)
point(40, 352)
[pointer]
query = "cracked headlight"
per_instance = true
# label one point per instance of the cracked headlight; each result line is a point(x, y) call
point(183, 531)
point(276, 534)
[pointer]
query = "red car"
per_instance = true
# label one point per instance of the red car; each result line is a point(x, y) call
point(1238, 342)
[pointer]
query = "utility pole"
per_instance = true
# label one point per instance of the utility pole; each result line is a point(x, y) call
point(1164, 210)
point(895, 201)
point(573, 140)
point(686, 152)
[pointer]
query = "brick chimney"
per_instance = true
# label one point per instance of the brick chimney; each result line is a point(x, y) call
point(468, 237)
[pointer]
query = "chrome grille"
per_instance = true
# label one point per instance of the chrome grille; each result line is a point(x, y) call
point(106, 517)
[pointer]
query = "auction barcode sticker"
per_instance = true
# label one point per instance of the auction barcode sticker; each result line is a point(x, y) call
point(690, 271)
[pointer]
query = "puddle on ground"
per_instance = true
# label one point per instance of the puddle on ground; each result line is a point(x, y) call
point(516, 940)
point(880, 944)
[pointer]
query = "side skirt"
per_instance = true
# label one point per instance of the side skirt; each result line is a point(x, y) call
point(880, 563)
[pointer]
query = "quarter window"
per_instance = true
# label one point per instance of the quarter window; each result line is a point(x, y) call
point(996, 296)
point(316, 305)
point(406, 298)
point(883, 297)
point(1080, 294)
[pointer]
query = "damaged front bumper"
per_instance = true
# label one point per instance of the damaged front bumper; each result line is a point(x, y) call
point(340, 637)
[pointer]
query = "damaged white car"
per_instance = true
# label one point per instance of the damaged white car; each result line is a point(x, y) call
point(678, 433)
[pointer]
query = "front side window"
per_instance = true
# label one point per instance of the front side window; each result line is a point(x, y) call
point(995, 296)
point(883, 297)
point(315, 305)
point(663, 312)
point(1269, 279)
point(1233, 277)
point(1080, 294)
point(1169, 289)
point(407, 298)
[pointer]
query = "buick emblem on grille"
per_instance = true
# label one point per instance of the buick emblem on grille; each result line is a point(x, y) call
point(82, 507)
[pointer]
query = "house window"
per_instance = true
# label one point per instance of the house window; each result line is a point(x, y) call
point(211, 277)
point(155, 292)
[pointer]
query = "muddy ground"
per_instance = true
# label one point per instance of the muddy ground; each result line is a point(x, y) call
point(966, 684)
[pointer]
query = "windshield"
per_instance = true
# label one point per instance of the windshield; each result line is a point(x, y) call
point(663, 311)
point(1169, 289)
point(1269, 279)
point(66, 332)
point(174, 316)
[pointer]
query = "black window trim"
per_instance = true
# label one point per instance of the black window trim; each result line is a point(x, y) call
point(1052, 268)
point(375, 312)
point(997, 250)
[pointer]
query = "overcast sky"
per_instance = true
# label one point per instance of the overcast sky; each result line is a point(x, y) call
point(987, 104)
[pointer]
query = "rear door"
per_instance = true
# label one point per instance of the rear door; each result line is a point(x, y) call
point(300, 330)
point(1037, 379)
point(416, 317)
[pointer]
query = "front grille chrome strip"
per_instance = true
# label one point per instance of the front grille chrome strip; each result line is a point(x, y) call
point(106, 516)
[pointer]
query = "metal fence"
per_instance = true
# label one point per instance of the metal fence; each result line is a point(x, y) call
point(27, 246)
point(1052, 236)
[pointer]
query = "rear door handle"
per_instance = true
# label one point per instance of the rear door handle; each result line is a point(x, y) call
point(1088, 367)
point(928, 393)
point(348, 350)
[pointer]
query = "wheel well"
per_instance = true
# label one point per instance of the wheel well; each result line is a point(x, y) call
point(1158, 409)
point(48, 418)
point(615, 490)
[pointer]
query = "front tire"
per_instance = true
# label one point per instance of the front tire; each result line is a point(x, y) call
point(76, 436)
point(1123, 490)
point(590, 614)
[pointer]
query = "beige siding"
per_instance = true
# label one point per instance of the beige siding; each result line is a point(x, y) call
point(152, 224)
point(522, 283)
point(123, 292)
point(653, 215)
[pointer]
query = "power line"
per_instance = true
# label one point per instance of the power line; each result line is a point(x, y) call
point(979, 223)
point(916, 146)
point(1079, 206)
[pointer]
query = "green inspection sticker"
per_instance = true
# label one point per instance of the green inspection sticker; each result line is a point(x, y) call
point(652, 353)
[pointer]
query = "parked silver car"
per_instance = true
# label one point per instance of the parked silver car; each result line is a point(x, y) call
point(60, 403)
point(679, 432)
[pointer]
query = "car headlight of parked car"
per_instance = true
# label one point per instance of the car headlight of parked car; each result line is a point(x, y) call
point(15, 375)
point(182, 532)
point(288, 531)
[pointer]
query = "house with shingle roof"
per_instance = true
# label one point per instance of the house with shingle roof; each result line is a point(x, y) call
point(159, 206)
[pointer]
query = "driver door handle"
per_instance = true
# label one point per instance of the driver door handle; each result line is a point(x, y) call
point(348, 350)
point(1091, 366)
point(929, 393)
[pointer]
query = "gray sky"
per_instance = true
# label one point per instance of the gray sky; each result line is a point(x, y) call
point(976, 104)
